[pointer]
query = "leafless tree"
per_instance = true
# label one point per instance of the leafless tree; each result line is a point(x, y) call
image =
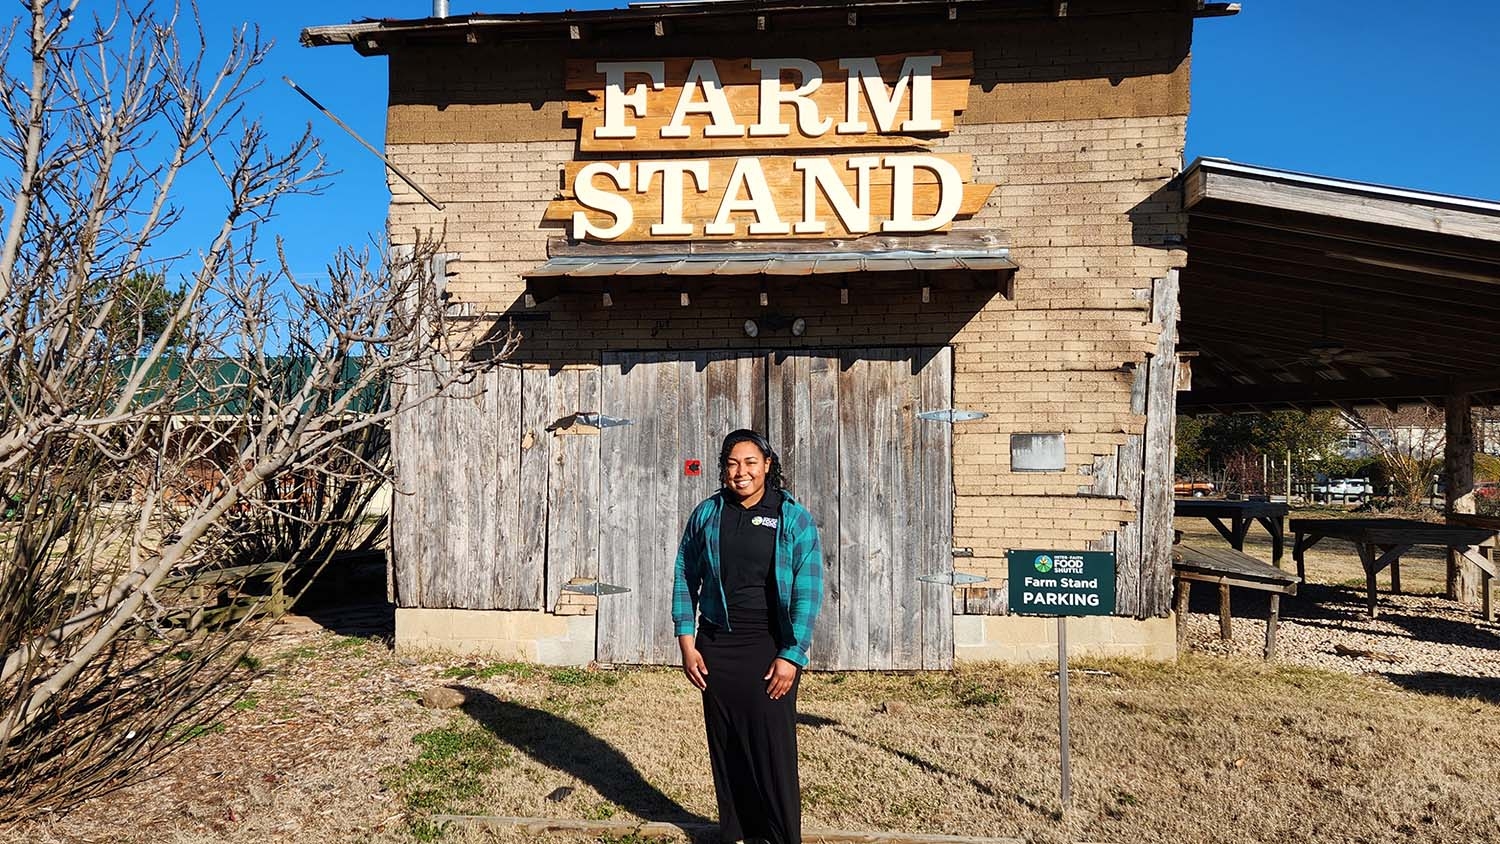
point(131, 467)
point(1409, 445)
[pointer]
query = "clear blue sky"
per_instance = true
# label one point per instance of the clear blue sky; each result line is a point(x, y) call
point(1380, 90)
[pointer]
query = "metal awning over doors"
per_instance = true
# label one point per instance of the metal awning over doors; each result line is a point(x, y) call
point(1302, 291)
point(982, 255)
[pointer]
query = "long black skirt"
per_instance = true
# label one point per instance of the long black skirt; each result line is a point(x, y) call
point(752, 739)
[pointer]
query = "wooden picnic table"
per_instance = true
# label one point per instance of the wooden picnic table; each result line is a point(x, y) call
point(1225, 568)
point(1270, 515)
point(1381, 542)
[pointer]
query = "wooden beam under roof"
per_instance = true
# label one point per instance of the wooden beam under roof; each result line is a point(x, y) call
point(1213, 266)
point(1234, 356)
point(1371, 390)
point(1296, 347)
point(1367, 330)
point(1292, 351)
point(1312, 308)
point(1455, 259)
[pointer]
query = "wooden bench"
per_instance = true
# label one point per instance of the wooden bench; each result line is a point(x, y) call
point(1227, 567)
point(220, 596)
point(1488, 550)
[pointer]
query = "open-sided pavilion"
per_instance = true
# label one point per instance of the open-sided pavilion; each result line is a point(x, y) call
point(1311, 292)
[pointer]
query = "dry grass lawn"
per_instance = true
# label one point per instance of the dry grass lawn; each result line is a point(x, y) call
point(331, 746)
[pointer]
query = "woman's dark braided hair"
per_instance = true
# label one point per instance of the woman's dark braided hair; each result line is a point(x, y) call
point(774, 478)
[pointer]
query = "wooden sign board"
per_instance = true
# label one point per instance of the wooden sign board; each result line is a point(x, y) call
point(775, 196)
point(888, 106)
point(683, 104)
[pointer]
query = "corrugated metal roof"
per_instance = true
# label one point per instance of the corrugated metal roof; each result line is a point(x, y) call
point(770, 263)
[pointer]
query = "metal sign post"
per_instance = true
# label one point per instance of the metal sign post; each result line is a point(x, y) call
point(1062, 710)
point(1060, 584)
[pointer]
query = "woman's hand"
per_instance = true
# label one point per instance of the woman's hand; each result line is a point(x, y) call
point(692, 662)
point(780, 677)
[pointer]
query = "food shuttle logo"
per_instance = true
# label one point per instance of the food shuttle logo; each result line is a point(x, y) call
point(878, 113)
point(1043, 563)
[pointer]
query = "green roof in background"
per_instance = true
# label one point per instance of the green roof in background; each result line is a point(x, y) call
point(227, 386)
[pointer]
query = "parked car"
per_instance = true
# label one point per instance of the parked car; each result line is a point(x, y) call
point(1342, 489)
point(1196, 489)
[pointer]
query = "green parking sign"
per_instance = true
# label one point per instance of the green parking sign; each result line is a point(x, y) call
point(1053, 582)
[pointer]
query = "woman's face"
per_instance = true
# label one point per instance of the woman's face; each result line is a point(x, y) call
point(745, 471)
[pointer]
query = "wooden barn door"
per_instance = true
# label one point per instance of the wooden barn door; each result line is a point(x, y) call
point(678, 406)
point(879, 481)
point(877, 478)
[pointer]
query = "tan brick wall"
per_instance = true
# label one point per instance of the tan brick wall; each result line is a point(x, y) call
point(1081, 200)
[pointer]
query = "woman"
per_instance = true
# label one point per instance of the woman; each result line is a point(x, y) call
point(751, 564)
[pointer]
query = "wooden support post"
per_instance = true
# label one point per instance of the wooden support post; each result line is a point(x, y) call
point(1396, 576)
point(1184, 590)
point(1273, 617)
point(1367, 557)
point(1226, 625)
point(1299, 554)
point(1458, 475)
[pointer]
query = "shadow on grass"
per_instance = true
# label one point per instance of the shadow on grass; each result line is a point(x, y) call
point(819, 722)
point(1486, 689)
point(563, 745)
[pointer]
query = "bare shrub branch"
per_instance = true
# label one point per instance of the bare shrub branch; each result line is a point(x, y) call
point(160, 447)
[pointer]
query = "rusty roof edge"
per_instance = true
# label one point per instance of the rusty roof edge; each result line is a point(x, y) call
point(353, 33)
point(970, 241)
point(895, 254)
point(769, 263)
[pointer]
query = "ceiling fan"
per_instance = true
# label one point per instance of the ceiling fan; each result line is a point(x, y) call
point(1329, 352)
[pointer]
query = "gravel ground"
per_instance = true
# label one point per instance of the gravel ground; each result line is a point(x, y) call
point(1415, 636)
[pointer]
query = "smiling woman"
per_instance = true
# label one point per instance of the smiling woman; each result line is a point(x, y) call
point(751, 561)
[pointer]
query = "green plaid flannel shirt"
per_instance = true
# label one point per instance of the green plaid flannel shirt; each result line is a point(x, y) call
point(799, 575)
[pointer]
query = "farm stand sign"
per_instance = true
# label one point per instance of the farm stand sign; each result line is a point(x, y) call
point(1061, 582)
point(889, 106)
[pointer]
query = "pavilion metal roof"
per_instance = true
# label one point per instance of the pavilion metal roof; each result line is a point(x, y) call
point(1308, 291)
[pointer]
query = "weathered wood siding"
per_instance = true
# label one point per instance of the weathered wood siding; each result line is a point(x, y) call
point(679, 408)
point(495, 505)
point(878, 480)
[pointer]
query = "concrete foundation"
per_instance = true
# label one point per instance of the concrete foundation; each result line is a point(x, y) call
point(504, 635)
point(1014, 638)
point(549, 639)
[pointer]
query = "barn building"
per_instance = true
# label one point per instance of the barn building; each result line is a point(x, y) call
point(930, 246)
